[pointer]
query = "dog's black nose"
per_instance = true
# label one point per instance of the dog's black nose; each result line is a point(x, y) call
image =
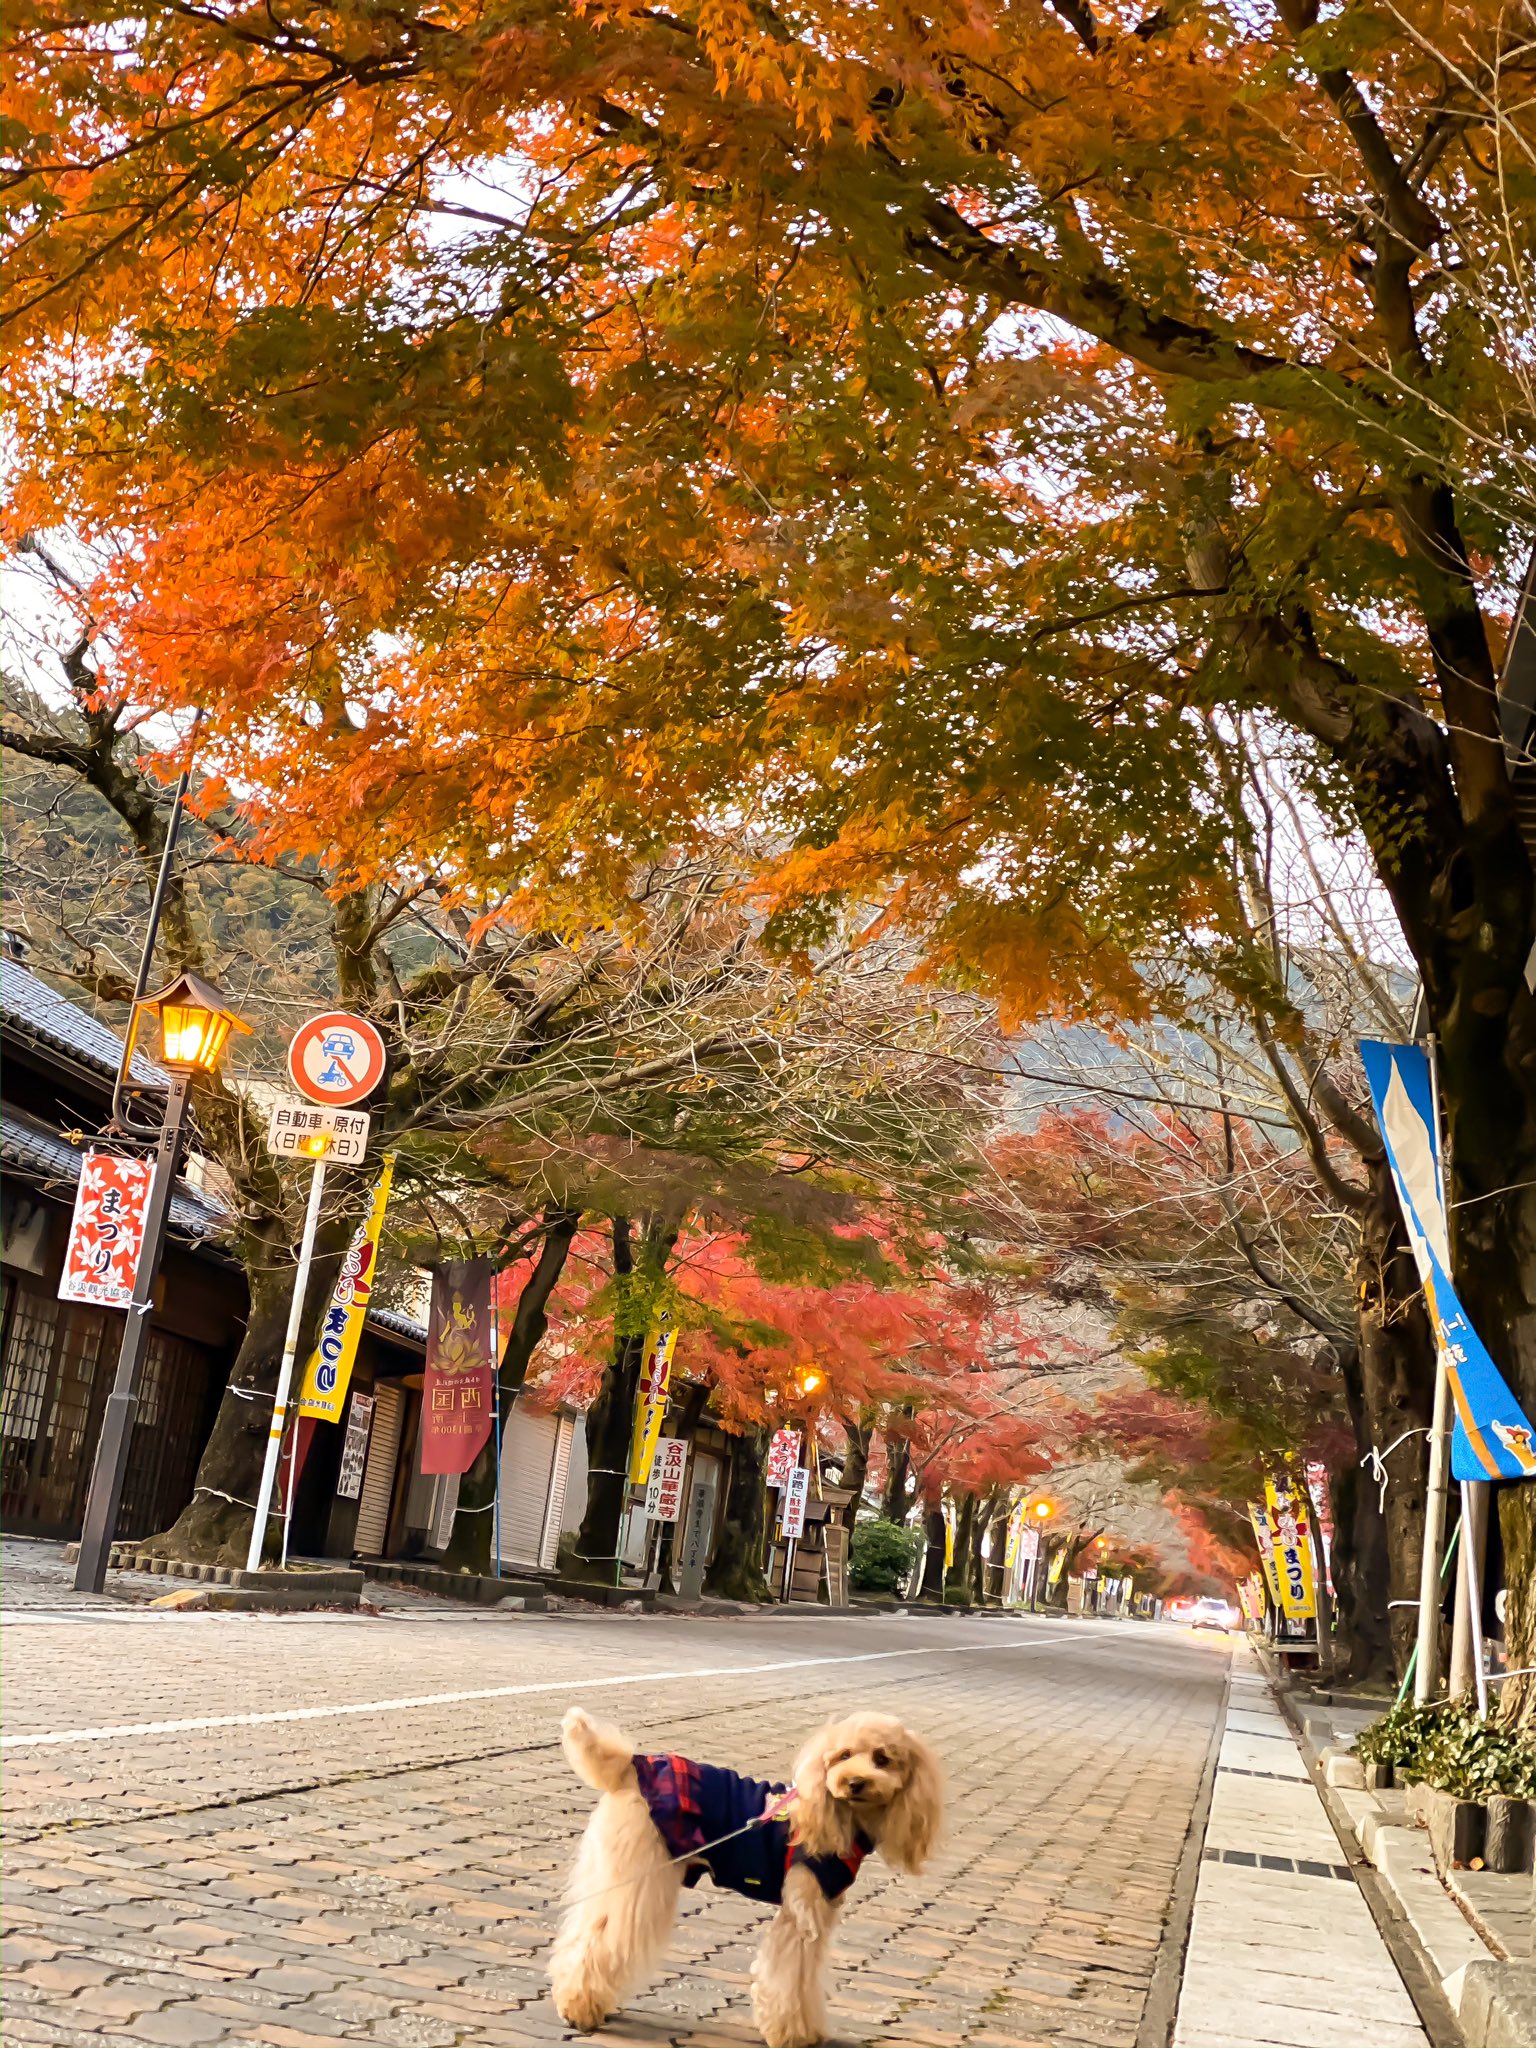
point(855, 1786)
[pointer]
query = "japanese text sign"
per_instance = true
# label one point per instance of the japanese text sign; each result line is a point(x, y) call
point(293, 1130)
point(792, 1513)
point(106, 1232)
point(354, 1448)
point(664, 1488)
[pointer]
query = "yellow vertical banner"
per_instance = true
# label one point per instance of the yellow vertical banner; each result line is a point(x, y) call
point(323, 1393)
point(1264, 1536)
point(1293, 1550)
point(651, 1404)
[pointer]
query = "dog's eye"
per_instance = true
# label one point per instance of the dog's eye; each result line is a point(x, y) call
point(842, 1756)
point(879, 1759)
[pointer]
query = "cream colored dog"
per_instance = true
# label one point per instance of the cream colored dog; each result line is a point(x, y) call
point(859, 1784)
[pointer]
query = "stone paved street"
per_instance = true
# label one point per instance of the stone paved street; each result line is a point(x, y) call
point(379, 1864)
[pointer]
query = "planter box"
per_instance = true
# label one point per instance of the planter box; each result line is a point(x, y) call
point(1378, 1777)
point(1456, 1826)
point(1510, 1832)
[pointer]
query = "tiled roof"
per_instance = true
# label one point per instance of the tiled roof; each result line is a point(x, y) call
point(31, 1008)
point(397, 1325)
point(33, 1150)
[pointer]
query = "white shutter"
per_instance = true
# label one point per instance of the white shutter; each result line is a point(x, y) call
point(554, 1513)
point(445, 1506)
point(379, 1472)
point(528, 1447)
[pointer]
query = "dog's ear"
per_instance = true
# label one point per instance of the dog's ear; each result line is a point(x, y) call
point(818, 1826)
point(911, 1823)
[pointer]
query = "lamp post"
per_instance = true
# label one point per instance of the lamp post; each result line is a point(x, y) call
point(1042, 1514)
point(195, 1024)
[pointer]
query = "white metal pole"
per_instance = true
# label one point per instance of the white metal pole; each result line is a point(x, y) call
point(1426, 1677)
point(285, 1370)
point(1474, 1520)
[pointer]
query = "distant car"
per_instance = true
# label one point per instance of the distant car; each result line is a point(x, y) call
point(1179, 1610)
point(1213, 1614)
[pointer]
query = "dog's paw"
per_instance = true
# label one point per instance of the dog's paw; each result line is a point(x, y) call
point(574, 1718)
point(580, 2009)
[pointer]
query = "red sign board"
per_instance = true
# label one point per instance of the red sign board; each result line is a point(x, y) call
point(457, 1390)
point(107, 1230)
point(336, 1059)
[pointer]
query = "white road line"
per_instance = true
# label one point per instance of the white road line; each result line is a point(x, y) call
point(573, 1684)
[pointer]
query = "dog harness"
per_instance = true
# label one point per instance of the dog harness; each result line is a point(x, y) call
point(693, 1805)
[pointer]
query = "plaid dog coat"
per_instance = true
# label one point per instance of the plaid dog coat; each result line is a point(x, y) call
point(694, 1804)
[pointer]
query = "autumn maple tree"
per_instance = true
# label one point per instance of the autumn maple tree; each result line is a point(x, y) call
point(905, 429)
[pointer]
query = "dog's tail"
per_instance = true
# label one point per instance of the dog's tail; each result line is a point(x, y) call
point(597, 1751)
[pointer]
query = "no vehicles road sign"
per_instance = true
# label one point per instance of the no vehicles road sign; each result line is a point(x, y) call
point(336, 1059)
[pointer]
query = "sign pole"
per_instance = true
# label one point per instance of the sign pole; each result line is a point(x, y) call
point(285, 1370)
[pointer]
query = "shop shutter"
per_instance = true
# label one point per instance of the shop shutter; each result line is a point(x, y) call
point(528, 1450)
point(379, 1472)
point(565, 1435)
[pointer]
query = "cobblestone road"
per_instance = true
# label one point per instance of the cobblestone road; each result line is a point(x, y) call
point(385, 1872)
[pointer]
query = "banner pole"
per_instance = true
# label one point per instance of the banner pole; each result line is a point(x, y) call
point(285, 1370)
point(1426, 1678)
point(496, 1416)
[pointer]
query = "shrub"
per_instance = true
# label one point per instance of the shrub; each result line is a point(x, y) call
point(881, 1556)
point(1447, 1746)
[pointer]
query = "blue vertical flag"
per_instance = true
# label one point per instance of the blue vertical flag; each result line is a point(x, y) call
point(1493, 1438)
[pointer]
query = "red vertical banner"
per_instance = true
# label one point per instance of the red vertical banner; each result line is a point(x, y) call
point(457, 1391)
point(106, 1232)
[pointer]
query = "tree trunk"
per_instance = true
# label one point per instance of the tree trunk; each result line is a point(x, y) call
point(215, 1525)
point(861, 1438)
point(471, 1548)
point(736, 1570)
point(962, 1580)
point(898, 1466)
point(932, 1589)
point(610, 1419)
point(994, 1508)
point(1361, 1567)
point(1397, 1391)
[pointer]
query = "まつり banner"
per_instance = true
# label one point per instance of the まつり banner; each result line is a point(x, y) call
point(324, 1390)
point(1290, 1524)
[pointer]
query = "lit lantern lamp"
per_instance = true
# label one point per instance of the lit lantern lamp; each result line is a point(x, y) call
point(195, 1024)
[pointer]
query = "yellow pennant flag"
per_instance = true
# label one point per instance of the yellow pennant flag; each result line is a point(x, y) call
point(651, 1407)
point(326, 1377)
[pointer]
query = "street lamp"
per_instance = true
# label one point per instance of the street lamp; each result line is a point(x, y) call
point(195, 1024)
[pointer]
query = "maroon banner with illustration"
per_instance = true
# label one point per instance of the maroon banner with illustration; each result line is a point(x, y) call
point(456, 1395)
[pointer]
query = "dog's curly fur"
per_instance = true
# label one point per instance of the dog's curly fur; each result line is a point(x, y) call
point(866, 1772)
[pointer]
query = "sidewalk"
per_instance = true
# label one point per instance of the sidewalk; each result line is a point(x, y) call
point(1282, 1947)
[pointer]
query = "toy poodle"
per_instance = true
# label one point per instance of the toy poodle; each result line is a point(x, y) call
point(862, 1784)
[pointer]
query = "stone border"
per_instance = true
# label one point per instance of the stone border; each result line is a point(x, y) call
point(1464, 1993)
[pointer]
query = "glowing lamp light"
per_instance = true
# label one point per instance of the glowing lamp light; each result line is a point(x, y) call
point(809, 1382)
point(317, 1146)
point(195, 1024)
point(1043, 1510)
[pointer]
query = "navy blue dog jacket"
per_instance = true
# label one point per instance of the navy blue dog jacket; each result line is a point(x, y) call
point(693, 1805)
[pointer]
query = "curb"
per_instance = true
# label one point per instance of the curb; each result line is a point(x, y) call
point(1160, 2013)
point(1465, 1993)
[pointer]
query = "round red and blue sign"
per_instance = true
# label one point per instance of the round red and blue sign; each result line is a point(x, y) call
point(336, 1059)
